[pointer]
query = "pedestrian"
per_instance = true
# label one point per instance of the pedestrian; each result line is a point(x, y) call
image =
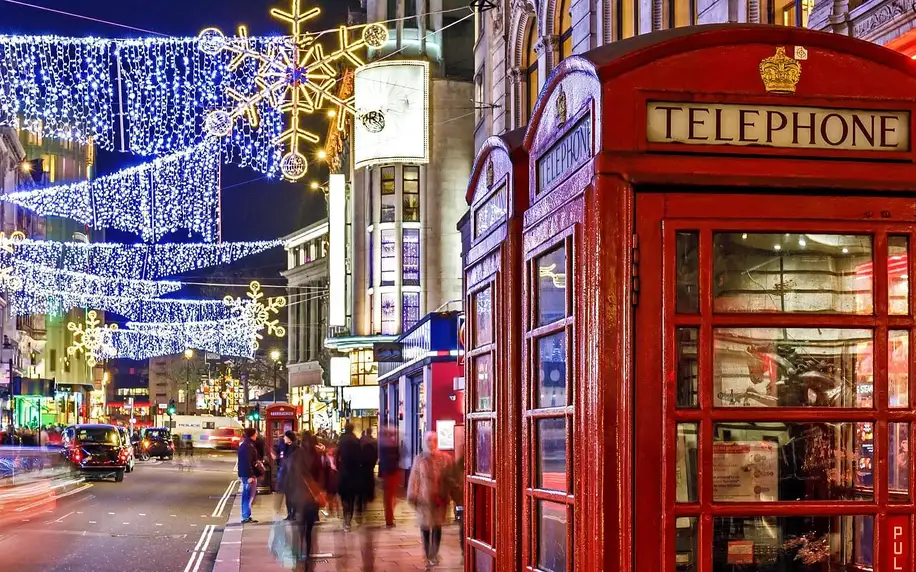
point(368, 446)
point(389, 471)
point(349, 461)
point(303, 488)
point(456, 490)
point(282, 454)
point(427, 492)
point(248, 472)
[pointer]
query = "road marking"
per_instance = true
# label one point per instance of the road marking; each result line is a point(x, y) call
point(158, 524)
point(92, 522)
point(142, 514)
point(61, 519)
point(173, 515)
point(58, 497)
point(26, 520)
point(203, 549)
point(196, 525)
point(110, 513)
point(221, 505)
point(125, 523)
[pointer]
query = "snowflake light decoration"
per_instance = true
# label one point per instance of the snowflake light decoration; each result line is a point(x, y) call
point(7, 280)
point(256, 313)
point(92, 338)
point(294, 75)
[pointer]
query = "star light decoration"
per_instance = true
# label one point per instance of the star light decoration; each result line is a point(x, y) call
point(294, 75)
point(91, 338)
point(255, 314)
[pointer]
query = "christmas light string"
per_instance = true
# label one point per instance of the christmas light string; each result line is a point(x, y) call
point(130, 307)
point(136, 261)
point(40, 279)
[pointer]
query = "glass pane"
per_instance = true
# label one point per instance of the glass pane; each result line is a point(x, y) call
point(551, 452)
point(685, 544)
point(483, 514)
point(484, 448)
point(687, 368)
point(791, 273)
point(898, 368)
point(792, 367)
point(792, 544)
point(552, 370)
point(483, 322)
point(898, 292)
point(898, 459)
point(483, 382)
point(483, 562)
point(552, 522)
point(792, 461)
point(686, 462)
point(688, 272)
point(551, 293)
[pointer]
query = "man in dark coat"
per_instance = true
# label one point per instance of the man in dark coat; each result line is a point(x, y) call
point(349, 461)
point(369, 449)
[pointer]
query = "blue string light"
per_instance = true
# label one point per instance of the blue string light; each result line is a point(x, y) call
point(139, 345)
point(136, 261)
point(131, 308)
point(39, 279)
point(75, 88)
point(175, 192)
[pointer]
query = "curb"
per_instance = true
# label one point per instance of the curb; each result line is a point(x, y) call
point(229, 555)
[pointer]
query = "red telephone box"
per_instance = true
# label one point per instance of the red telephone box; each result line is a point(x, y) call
point(279, 418)
point(690, 313)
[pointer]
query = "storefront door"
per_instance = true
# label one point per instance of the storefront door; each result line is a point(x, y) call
point(773, 396)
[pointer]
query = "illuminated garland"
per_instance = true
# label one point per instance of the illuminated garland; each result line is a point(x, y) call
point(152, 310)
point(133, 344)
point(47, 280)
point(69, 88)
point(137, 261)
point(175, 192)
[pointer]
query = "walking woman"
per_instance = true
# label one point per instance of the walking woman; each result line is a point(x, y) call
point(427, 492)
point(303, 488)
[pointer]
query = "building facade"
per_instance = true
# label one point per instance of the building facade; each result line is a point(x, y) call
point(518, 42)
point(890, 23)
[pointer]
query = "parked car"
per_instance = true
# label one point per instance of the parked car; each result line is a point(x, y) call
point(96, 450)
point(125, 441)
point(226, 438)
point(157, 442)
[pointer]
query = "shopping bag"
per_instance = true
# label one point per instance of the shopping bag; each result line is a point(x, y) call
point(280, 546)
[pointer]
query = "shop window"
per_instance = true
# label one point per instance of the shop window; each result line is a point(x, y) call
point(565, 27)
point(363, 368)
point(792, 12)
point(410, 309)
point(684, 14)
point(410, 190)
point(410, 256)
point(803, 273)
point(389, 257)
point(389, 314)
point(532, 85)
point(389, 206)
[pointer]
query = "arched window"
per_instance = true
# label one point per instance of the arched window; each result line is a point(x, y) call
point(531, 68)
point(564, 18)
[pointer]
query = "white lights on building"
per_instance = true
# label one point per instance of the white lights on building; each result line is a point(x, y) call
point(340, 371)
point(337, 278)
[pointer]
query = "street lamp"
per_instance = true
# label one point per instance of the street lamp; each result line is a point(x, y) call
point(275, 355)
point(188, 354)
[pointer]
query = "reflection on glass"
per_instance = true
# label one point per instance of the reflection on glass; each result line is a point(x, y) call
point(685, 544)
point(792, 367)
point(552, 370)
point(483, 514)
point(484, 448)
point(483, 562)
point(483, 382)
point(898, 461)
point(755, 462)
point(898, 368)
point(898, 292)
point(792, 544)
point(686, 462)
point(776, 272)
point(551, 293)
point(551, 454)
point(552, 521)
point(687, 369)
point(687, 272)
point(483, 317)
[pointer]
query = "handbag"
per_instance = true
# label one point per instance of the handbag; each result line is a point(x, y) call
point(321, 499)
point(259, 469)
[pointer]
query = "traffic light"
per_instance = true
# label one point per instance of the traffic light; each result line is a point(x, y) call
point(171, 408)
point(255, 414)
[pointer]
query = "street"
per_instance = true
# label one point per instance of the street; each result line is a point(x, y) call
point(162, 518)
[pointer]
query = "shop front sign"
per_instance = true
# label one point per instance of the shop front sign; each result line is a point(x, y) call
point(779, 126)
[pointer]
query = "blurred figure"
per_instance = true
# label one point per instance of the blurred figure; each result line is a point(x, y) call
point(332, 478)
point(247, 455)
point(369, 451)
point(456, 490)
point(389, 471)
point(282, 454)
point(303, 477)
point(427, 492)
point(348, 457)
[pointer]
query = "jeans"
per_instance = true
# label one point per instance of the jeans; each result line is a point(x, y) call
point(431, 540)
point(249, 490)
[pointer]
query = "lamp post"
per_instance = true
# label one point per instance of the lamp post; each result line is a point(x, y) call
point(275, 355)
point(188, 354)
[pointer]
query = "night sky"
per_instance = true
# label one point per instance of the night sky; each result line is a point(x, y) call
point(254, 208)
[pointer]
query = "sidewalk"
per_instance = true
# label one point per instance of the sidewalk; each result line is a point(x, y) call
point(369, 547)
